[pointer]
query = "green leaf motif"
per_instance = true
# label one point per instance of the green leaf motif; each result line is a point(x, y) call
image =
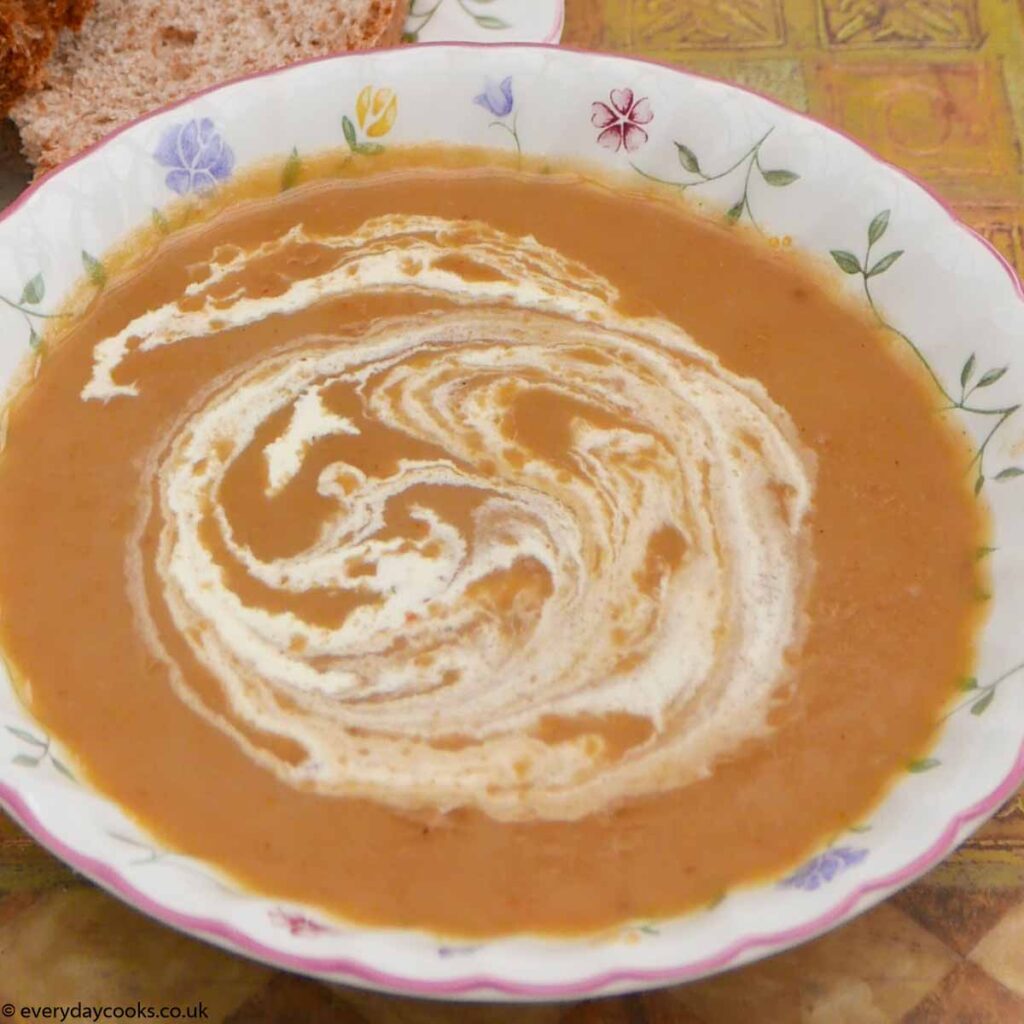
point(489, 21)
point(924, 764)
point(25, 761)
point(991, 376)
point(980, 706)
point(128, 841)
point(368, 148)
point(735, 211)
point(94, 269)
point(26, 736)
point(349, 131)
point(877, 227)
point(968, 369)
point(290, 173)
point(34, 340)
point(984, 552)
point(33, 292)
point(160, 222)
point(1010, 473)
point(859, 829)
point(846, 261)
point(978, 484)
point(967, 684)
point(410, 37)
point(885, 263)
point(688, 158)
point(779, 178)
point(62, 768)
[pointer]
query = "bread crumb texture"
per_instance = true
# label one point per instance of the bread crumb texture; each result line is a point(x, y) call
point(28, 34)
point(131, 56)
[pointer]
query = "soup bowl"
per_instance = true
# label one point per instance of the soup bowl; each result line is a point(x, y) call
point(934, 286)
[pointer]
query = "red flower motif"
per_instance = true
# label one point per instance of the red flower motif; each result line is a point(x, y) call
point(297, 924)
point(621, 121)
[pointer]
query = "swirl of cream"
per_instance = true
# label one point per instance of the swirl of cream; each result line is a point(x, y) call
point(577, 584)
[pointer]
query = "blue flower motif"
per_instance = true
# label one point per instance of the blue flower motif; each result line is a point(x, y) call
point(497, 98)
point(197, 155)
point(823, 868)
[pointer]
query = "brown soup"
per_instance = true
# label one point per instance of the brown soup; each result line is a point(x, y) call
point(483, 549)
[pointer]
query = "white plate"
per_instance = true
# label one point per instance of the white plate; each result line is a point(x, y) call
point(485, 21)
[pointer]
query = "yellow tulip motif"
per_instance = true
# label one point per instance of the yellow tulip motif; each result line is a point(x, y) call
point(376, 110)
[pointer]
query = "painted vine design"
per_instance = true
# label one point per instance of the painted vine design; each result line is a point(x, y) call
point(975, 696)
point(34, 291)
point(747, 164)
point(147, 853)
point(31, 295)
point(36, 751)
point(418, 19)
point(970, 382)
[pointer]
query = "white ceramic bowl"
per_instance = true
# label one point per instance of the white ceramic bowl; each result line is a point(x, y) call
point(948, 294)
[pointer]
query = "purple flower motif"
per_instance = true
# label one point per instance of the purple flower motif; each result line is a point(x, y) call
point(497, 98)
point(197, 155)
point(823, 868)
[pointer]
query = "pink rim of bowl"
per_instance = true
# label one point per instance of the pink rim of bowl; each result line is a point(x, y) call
point(481, 985)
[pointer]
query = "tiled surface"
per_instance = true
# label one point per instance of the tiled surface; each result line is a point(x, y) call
point(934, 85)
point(948, 121)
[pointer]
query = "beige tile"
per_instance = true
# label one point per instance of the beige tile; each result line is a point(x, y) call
point(781, 79)
point(868, 23)
point(615, 1010)
point(82, 945)
point(14, 903)
point(382, 1009)
point(288, 998)
point(661, 1008)
point(852, 1002)
point(960, 916)
point(968, 996)
point(871, 971)
point(585, 26)
point(947, 120)
point(27, 867)
point(668, 26)
point(1001, 952)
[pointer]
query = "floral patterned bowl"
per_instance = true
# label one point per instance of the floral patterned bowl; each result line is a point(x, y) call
point(938, 288)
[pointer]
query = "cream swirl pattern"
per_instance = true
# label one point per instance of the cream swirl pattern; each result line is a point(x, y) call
point(576, 580)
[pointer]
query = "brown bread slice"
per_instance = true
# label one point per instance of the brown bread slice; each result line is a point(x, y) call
point(28, 34)
point(134, 55)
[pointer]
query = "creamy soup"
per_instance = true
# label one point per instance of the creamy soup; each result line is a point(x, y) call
point(482, 549)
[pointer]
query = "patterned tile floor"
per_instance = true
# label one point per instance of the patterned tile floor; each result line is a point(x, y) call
point(936, 86)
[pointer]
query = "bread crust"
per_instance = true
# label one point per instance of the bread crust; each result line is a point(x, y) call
point(392, 24)
point(28, 34)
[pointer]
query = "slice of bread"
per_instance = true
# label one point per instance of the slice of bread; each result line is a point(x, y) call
point(134, 55)
point(28, 34)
